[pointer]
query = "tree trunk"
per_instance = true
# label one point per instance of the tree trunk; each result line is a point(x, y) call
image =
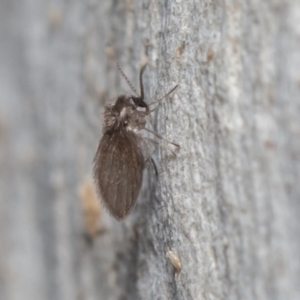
point(228, 203)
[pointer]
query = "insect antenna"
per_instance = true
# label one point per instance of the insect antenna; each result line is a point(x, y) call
point(166, 95)
point(127, 80)
point(141, 82)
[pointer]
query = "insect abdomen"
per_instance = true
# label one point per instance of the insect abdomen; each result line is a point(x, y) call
point(118, 171)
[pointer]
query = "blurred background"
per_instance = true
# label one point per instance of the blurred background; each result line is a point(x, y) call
point(229, 203)
point(52, 82)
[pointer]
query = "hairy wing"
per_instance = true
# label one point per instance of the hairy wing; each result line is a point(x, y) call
point(118, 171)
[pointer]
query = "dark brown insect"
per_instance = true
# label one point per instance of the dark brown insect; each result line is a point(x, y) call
point(123, 153)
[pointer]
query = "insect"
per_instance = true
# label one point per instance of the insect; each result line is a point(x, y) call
point(123, 153)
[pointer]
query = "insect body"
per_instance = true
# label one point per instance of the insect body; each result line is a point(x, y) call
point(122, 153)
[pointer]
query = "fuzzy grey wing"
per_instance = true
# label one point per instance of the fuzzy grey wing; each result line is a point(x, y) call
point(118, 171)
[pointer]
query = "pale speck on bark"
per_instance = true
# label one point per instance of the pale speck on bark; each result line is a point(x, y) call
point(228, 203)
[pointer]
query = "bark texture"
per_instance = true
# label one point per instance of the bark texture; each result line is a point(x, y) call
point(229, 203)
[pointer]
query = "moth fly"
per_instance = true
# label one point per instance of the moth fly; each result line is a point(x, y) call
point(123, 152)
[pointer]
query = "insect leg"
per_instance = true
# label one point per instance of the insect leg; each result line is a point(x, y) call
point(160, 145)
point(161, 137)
point(166, 95)
point(154, 165)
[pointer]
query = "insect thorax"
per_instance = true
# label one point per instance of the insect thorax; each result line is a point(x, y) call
point(125, 114)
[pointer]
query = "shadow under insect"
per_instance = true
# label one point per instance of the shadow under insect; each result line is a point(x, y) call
point(123, 153)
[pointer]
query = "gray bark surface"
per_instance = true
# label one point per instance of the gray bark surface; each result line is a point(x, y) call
point(229, 202)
